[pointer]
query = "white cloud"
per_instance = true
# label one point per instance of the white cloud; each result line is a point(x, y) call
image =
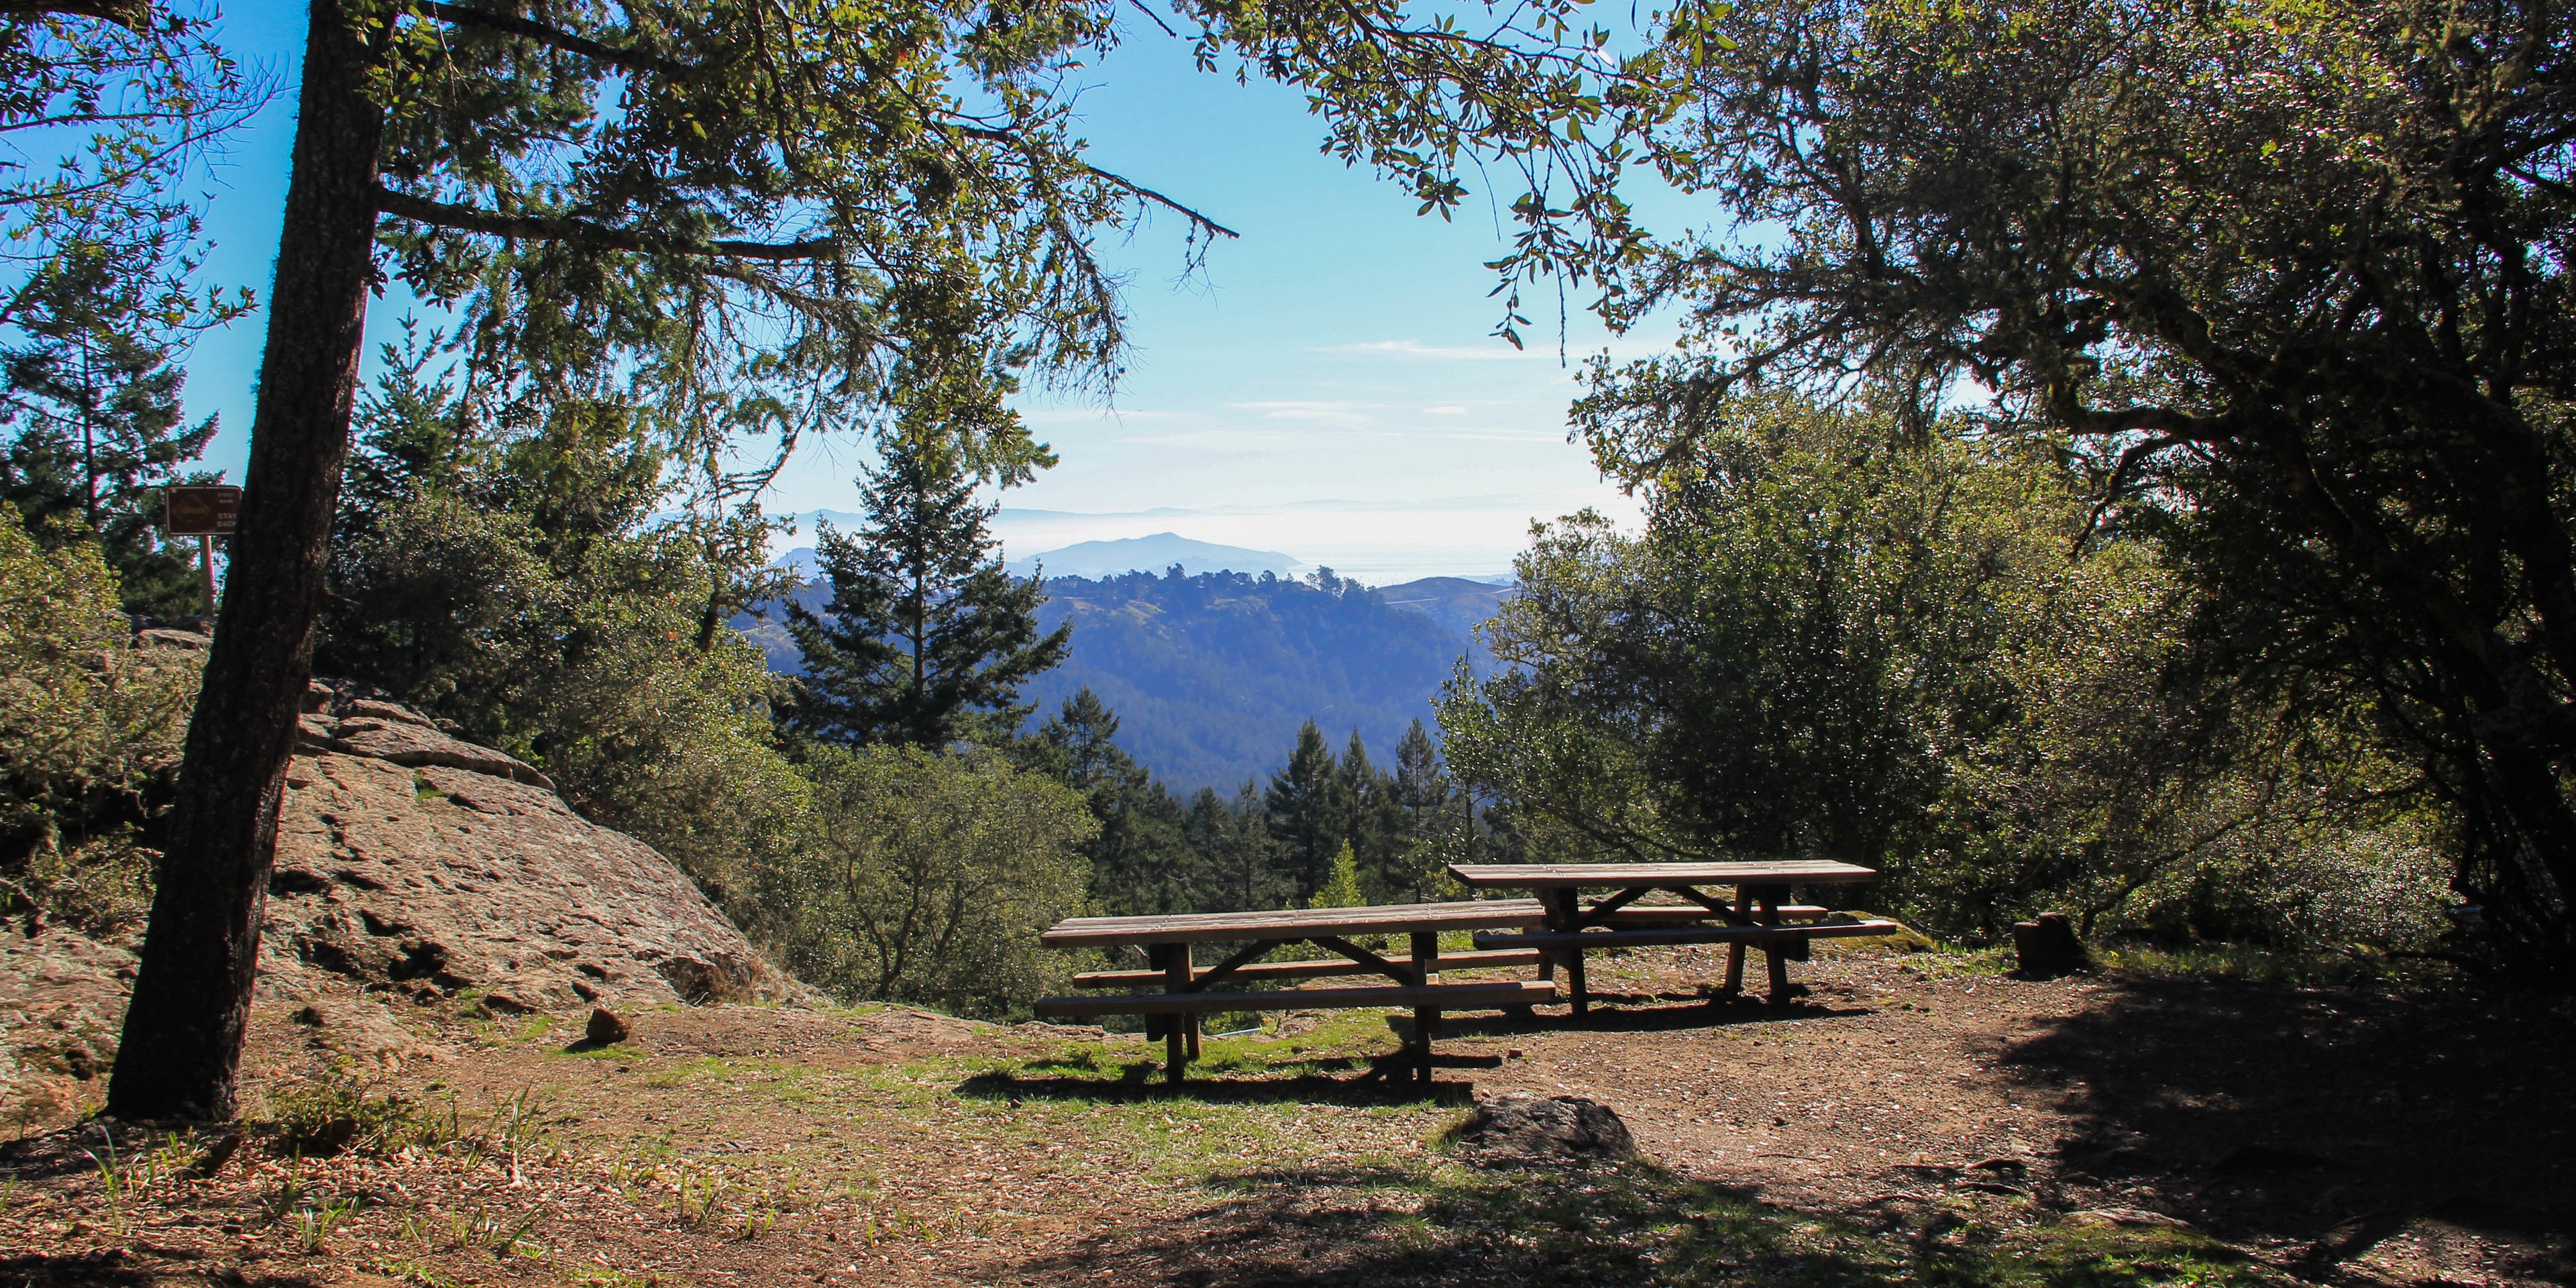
point(1347, 415)
point(1098, 415)
point(1444, 411)
point(1496, 352)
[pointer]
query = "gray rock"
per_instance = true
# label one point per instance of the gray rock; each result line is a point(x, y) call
point(400, 736)
point(409, 863)
point(1525, 1126)
point(164, 637)
point(359, 1028)
point(437, 879)
point(412, 859)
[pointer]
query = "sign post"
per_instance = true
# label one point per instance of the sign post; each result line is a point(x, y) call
point(204, 512)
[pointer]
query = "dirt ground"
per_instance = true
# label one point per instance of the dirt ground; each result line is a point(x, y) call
point(1913, 1119)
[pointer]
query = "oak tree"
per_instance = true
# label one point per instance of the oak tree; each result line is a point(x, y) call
point(2295, 278)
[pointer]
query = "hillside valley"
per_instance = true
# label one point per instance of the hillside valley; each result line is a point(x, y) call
point(1212, 673)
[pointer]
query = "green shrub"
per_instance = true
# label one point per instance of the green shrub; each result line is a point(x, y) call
point(90, 733)
point(930, 877)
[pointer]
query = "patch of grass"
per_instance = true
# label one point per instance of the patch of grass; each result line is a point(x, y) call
point(1417, 1221)
point(115, 1183)
point(340, 1111)
point(493, 1229)
point(703, 1069)
point(2353, 966)
point(1906, 940)
point(411, 1270)
point(1953, 962)
point(607, 1277)
point(313, 1223)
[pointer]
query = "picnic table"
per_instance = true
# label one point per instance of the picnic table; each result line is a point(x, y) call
point(1758, 915)
point(1189, 990)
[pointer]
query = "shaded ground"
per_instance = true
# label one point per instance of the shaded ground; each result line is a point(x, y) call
point(1913, 1120)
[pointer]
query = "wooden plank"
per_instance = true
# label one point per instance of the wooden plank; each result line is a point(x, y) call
point(1607, 908)
point(1295, 923)
point(1446, 996)
point(1230, 967)
point(1666, 915)
point(1380, 965)
point(1311, 969)
point(1754, 935)
point(1546, 876)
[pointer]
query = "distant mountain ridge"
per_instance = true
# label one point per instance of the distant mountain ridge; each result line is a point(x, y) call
point(1455, 602)
point(1155, 553)
point(1212, 673)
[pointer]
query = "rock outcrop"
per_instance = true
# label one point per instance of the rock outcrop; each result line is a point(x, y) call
point(414, 860)
point(1520, 1126)
point(62, 999)
point(412, 867)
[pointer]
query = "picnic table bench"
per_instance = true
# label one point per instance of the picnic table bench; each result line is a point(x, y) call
point(1758, 916)
point(1190, 990)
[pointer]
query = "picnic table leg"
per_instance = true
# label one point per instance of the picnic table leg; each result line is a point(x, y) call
point(1567, 914)
point(1155, 1024)
point(1772, 954)
point(1735, 952)
point(1180, 1032)
point(1426, 1019)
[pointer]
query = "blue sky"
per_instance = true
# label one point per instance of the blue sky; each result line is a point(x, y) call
point(1327, 387)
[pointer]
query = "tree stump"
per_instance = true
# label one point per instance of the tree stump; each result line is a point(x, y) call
point(2048, 947)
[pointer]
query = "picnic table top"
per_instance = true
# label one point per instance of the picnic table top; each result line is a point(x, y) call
point(1561, 876)
point(1295, 923)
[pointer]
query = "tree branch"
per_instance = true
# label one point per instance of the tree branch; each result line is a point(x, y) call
point(133, 15)
point(1120, 182)
point(558, 228)
point(551, 37)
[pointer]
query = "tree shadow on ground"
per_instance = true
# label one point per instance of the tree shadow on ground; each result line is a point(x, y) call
point(1645, 1013)
point(116, 1269)
point(2269, 1111)
point(1143, 1083)
point(1306, 1078)
point(1563, 1222)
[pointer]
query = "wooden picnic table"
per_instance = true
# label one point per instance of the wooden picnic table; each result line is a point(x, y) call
point(1188, 990)
point(1758, 915)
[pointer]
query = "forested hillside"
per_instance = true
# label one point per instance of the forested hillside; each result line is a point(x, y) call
point(1212, 674)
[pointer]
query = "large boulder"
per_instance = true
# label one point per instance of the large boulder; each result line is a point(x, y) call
point(410, 859)
point(1519, 1126)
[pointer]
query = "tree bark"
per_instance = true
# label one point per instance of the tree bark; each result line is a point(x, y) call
point(184, 1028)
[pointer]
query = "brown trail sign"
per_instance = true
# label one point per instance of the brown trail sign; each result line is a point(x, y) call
point(204, 512)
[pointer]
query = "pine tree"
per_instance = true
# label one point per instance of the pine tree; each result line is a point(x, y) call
point(1429, 812)
point(1341, 888)
point(1141, 863)
point(95, 407)
point(926, 640)
point(1246, 867)
point(1308, 811)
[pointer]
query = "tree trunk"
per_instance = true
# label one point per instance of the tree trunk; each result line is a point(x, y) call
point(184, 1029)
